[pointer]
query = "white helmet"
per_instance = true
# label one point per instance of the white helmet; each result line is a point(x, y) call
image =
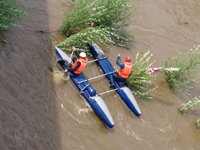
point(82, 54)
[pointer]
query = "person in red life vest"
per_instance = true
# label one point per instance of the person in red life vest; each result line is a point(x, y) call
point(125, 70)
point(79, 64)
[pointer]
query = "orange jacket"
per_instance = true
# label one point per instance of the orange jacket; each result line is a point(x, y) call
point(124, 73)
point(82, 66)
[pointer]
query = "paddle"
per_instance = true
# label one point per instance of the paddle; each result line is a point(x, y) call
point(70, 59)
point(66, 77)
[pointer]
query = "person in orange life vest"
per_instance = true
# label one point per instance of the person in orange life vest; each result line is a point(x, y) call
point(79, 64)
point(125, 70)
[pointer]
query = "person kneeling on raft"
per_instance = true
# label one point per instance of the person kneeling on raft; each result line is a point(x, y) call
point(125, 70)
point(79, 64)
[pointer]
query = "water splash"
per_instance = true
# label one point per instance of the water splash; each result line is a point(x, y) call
point(57, 77)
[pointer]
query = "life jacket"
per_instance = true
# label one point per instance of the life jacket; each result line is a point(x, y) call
point(82, 66)
point(124, 73)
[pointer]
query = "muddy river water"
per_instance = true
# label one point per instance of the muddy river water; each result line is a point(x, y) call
point(42, 110)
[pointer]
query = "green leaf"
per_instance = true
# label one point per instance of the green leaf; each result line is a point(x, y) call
point(10, 14)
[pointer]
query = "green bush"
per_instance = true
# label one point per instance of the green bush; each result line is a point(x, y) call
point(139, 77)
point(97, 34)
point(108, 19)
point(100, 12)
point(10, 13)
point(187, 65)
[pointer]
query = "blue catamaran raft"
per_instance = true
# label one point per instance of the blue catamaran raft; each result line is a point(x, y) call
point(88, 92)
point(123, 91)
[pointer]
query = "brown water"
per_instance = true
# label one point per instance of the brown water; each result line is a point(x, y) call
point(40, 109)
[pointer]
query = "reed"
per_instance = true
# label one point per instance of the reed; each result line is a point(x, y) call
point(139, 77)
point(191, 104)
point(187, 65)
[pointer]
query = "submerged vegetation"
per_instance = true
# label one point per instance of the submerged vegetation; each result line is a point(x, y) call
point(187, 65)
point(99, 20)
point(140, 78)
point(189, 105)
point(179, 80)
point(185, 107)
point(198, 123)
point(180, 71)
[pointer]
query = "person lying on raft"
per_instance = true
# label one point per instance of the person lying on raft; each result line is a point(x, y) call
point(78, 64)
point(125, 70)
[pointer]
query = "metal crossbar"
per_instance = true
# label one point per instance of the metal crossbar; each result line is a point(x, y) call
point(85, 87)
point(96, 60)
point(108, 91)
point(97, 77)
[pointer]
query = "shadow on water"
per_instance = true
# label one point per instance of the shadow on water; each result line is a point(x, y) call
point(28, 115)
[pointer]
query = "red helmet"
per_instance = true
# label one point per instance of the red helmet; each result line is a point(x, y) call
point(128, 59)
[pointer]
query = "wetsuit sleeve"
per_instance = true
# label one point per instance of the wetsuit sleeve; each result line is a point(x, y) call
point(75, 68)
point(77, 54)
point(118, 63)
